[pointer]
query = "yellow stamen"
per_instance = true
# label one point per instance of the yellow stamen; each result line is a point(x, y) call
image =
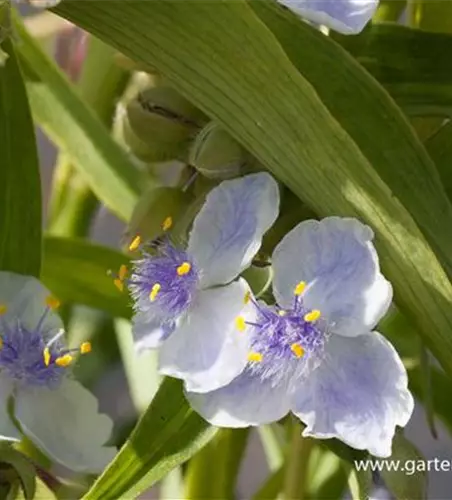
point(119, 284)
point(122, 272)
point(85, 348)
point(184, 268)
point(64, 361)
point(299, 289)
point(135, 243)
point(256, 357)
point(313, 315)
point(282, 313)
point(46, 355)
point(154, 291)
point(167, 223)
point(297, 350)
point(3, 309)
point(1, 343)
point(52, 302)
point(240, 323)
point(247, 297)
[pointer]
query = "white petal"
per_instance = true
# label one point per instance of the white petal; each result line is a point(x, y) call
point(345, 16)
point(358, 394)
point(207, 350)
point(227, 232)
point(66, 425)
point(246, 401)
point(25, 298)
point(8, 431)
point(147, 334)
point(337, 260)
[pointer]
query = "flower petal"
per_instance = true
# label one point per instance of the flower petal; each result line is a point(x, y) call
point(246, 401)
point(207, 350)
point(227, 232)
point(66, 425)
point(148, 334)
point(337, 260)
point(345, 16)
point(358, 394)
point(8, 431)
point(25, 298)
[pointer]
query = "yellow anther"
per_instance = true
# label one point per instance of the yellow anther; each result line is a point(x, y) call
point(299, 289)
point(85, 348)
point(119, 284)
point(122, 272)
point(135, 243)
point(1, 343)
point(46, 355)
point(154, 291)
point(255, 357)
point(282, 313)
point(167, 223)
point(52, 302)
point(247, 297)
point(297, 350)
point(314, 315)
point(3, 309)
point(240, 323)
point(64, 361)
point(184, 268)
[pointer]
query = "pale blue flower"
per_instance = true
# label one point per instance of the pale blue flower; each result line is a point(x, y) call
point(345, 16)
point(186, 300)
point(315, 354)
point(54, 411)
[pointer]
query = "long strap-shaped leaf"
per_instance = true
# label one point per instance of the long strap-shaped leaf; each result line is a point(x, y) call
point(74, 128)
point(222, 57)
point(168, 433)
point(20, 186)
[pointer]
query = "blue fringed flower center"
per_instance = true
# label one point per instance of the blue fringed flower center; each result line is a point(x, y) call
point(164, 284)
point(28, 358)
point(283, 341)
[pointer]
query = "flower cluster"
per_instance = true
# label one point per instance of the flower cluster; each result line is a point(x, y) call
point(39, 398)
point(313, 353)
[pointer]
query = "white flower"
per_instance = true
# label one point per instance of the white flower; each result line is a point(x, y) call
point(54, 411)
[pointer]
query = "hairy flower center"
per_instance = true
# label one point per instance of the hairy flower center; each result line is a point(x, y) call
point(29, 358)
point(283, 341)
point(164, 283)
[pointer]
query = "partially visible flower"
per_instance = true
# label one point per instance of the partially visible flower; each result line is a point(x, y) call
point(345, 16)
point(186, 300)
point(54, 411)
point(315, 353)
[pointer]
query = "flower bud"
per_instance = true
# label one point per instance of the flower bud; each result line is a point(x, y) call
point(215, 154)
point(155, 213)
point(159, 124)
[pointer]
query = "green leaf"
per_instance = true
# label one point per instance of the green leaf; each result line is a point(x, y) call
point(77, 271)
point(167, 434)
point(405, 485)
point(413, 65)
point(440, 148)
point(403, 162)
point(23, 468)
point(202, 48)
point(20, 186)
point(77, 131)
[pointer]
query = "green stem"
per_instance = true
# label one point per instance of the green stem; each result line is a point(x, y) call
point(297, 464)
point(212, 472)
